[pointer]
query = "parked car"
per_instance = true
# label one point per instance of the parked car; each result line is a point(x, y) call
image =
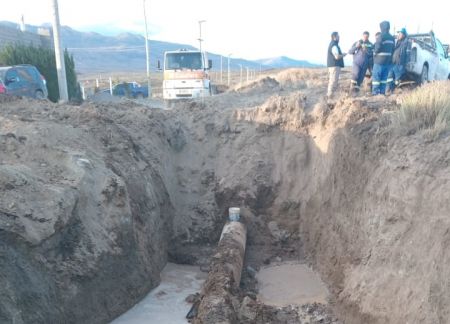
point(130, 90)
point(23, 80)
point(427, 58)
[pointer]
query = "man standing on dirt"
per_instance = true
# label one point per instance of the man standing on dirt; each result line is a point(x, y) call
point(399, 60)
point(335, 62)
point(384, 47)
point(362, 52)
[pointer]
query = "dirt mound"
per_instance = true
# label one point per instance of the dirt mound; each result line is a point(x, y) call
point(96, 198)
point(6, 99)
point(301, 78)
point(262, 84)
point(284, 112)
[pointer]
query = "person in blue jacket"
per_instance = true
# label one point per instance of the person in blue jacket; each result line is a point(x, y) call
point(362, 52)
point(399, 59)
point(383, 50)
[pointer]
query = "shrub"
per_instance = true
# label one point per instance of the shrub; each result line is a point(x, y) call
point(44, 59)
point(427, 108)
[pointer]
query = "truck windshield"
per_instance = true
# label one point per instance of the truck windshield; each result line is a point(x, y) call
point(179, 61)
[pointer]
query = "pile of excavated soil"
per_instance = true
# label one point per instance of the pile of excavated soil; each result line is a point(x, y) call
point(94, 200)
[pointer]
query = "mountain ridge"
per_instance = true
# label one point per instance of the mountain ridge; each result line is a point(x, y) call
point(97, 53)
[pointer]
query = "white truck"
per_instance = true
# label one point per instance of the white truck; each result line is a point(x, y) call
point(186, 75)
point(428, 59)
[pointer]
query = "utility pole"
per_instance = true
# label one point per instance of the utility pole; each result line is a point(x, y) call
point(240, 76)
point(147, 53)
point(247, 73)
point(221, 69)
point(23, 27)
point(200, 40)
point(229, 72)
point(59, 55)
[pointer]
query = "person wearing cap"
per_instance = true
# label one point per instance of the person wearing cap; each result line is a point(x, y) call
point(399, 59)
point(383, 50)
point(335, 62)
point(362, 52)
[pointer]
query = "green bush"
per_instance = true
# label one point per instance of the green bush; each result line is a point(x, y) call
point(44, 59)
point(427, 108)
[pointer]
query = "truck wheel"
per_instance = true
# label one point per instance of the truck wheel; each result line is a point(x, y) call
point(168, 104)
point(424, 75)
point(39, 95)
point(213, 90)
point(140, 96)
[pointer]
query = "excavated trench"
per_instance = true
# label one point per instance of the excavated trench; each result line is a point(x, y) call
point(123, 190)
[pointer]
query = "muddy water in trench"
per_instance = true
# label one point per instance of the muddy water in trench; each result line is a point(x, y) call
point(166, 303)
point(290, 284)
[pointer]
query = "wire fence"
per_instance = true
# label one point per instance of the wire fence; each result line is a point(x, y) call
point(94, 83)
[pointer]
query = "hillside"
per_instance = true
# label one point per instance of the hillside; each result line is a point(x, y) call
point(94, 52)
point(282, 62)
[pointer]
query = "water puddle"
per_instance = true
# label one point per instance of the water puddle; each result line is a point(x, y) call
point(166, 303)
point(290, 284)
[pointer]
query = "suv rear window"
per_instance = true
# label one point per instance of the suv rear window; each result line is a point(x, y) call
point(34, 72)
point(25, 75)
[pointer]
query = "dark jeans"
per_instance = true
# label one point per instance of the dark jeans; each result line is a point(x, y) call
point(359, 73)
point(380, 75)
point(396, 75)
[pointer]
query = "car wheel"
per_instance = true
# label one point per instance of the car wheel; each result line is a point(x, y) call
point(39, 95)
point(213, 89)
point(424, 75)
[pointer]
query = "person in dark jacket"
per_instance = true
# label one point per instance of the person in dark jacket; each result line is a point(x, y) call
point(335, 61)
point(383, 50)
point(399, 59)
point(362, 52)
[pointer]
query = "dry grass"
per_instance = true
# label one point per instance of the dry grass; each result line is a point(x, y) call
point(300, 78)
point(426, 109)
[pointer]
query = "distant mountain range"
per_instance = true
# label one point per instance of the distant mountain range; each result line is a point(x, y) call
point(97, 53)
point(281, 62)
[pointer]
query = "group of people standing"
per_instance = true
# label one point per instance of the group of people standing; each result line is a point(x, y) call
point(385, 60)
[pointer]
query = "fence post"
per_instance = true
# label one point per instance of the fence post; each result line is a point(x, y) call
point(83, 93)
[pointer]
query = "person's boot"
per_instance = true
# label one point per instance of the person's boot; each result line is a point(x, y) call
point(353, 88)
point(389, 91)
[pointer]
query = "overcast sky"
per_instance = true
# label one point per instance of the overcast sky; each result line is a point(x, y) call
point(249, 29)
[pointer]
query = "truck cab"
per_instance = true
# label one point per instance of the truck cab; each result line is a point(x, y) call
point(186, 75)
